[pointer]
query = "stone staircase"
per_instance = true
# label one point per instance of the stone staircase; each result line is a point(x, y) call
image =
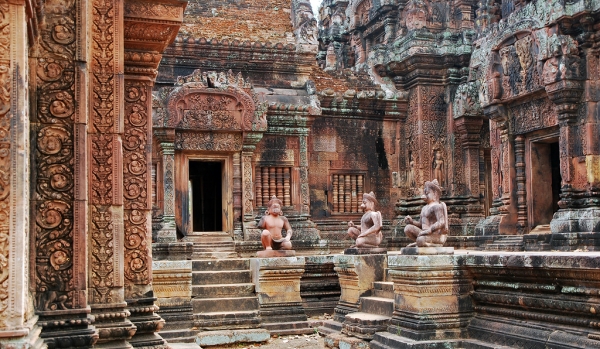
point(374, 315)
point(215, 245)
point(375, 312)
point(506, 243)
point(223, 295)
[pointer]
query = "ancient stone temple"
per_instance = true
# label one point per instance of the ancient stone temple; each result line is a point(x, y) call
point(143, 140)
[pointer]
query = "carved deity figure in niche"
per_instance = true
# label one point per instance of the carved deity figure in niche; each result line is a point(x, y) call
point(330, 58)
point(272, 224)
point(369, 235)
point(356, 44)
point(438, 167)
point(432, 230)
point(416, 15)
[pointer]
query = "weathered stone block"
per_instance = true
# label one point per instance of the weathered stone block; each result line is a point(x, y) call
point(210, 338)
point(356, 274)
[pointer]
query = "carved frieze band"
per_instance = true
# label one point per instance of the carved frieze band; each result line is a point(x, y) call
point(208, 141)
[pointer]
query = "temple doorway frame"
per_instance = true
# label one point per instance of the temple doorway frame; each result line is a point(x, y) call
point(539, 171)
point(182, 199)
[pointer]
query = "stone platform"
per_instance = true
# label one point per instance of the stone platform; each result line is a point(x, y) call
point(275, 253)
point(413, 251)
point(362, 251)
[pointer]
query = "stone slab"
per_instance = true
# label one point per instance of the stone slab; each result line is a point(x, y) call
point(275, 253)
point(184, 346)
point(361, 251)
point(210, 338)
point(413, 251)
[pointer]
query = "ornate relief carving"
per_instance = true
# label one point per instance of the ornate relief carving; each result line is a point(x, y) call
point(136, 192)
point(106, 148)
point(54, 154)
point(156, 11)
point(208, 141)
point(533, 115)
point(227, 105)
point(520, 73)
point(247, 178)
point(305, 25)
point(5, 161)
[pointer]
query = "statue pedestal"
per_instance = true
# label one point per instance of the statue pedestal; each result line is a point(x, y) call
point(431, 296)
point(275, 253)
point(277, 286)
point(356, 274)
point(361, 251)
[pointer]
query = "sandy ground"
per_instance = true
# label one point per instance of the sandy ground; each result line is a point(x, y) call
point(313, 341)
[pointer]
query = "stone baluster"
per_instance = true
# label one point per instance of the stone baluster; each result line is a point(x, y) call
point(335, 183)
point(258, 187)
point(287, 200)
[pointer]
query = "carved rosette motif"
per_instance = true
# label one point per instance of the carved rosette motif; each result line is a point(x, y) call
point(136, 191)
point(208, 141)
point(54, 154)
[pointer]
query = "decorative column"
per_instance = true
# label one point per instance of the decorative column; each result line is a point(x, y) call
point(150, 26)
point(470, 133)
point(521, 185)
point(18, 327)
point(563, 76)
point(167, 152)
point(137, 157)
point(59, 204)
point(504, 207)
point(106, 236)
point(248, 148)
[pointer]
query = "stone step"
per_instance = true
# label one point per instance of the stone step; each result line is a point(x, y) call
point(338, 340)
point(329, 327)
point(224, 337)
point(179, 336)
point(213, 255)
point(377, 305)
point(221, 277)
point(288, 328)
point(214, 248)
point(364, 325)
point(221, 264)
point(227, 320)
point(212, 305)
point(383, 289)
point(223, 290)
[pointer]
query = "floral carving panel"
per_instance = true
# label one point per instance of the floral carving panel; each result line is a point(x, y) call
point(54, 154)
point(136, 190)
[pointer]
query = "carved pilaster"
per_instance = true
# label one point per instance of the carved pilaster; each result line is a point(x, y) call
point(237, 197)
point(167, 152)
point(59, 152)
point(470, 131)
point(106, 237)
point(17, 325)
point(521, 185)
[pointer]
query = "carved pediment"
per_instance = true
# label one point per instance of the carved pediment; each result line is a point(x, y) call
point(213, 101)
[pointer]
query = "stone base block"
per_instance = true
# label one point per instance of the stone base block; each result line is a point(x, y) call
point(329, 327)
point(359, 251)
point(275, 253)
point(210, 338)
point(386, 340)
point(413, 251)
point(337, 340)
point(364, 325)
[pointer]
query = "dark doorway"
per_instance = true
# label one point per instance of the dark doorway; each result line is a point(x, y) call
point(545, 181)
point(556, 178)
point(205, 189)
